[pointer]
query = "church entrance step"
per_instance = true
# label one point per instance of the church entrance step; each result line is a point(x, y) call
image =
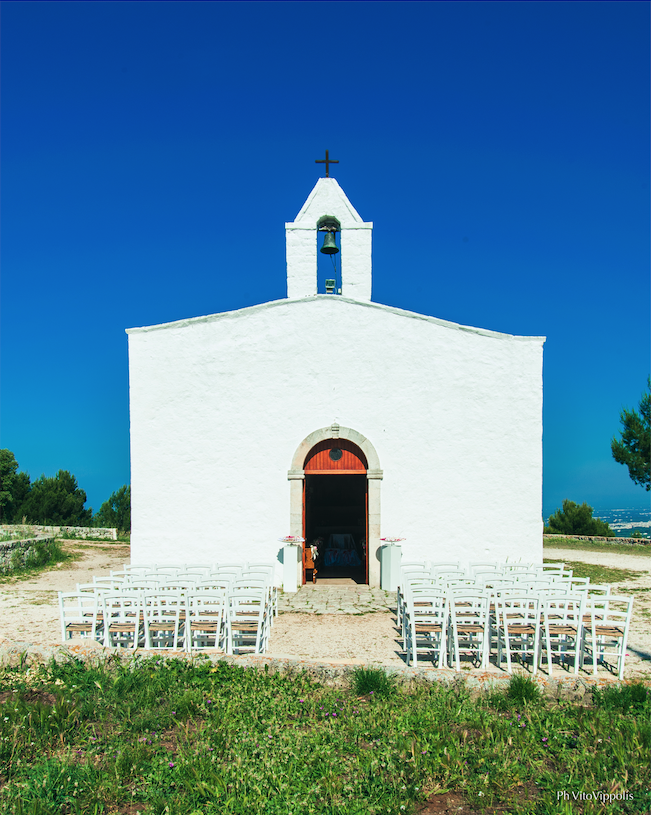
point(337, 598)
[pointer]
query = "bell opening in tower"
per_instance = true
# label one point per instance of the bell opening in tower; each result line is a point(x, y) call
point(336, 525)
point(329, 259)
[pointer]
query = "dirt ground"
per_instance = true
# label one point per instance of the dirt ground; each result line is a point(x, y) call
point(29, 611)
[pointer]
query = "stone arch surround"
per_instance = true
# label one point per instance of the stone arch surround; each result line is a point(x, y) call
point(374, 474)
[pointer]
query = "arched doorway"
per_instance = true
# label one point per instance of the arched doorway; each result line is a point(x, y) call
point(335, 509)
point(359, 461)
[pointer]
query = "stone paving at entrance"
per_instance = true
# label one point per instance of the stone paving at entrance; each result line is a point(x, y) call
point(337, 599)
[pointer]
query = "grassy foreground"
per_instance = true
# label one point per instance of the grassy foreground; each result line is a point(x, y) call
point(168, 736)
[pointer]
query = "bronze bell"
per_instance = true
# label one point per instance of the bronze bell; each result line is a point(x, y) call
point(329, 244)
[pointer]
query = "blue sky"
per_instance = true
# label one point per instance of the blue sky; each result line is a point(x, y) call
point(152, 152)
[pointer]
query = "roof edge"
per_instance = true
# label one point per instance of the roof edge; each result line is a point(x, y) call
point(229, 315)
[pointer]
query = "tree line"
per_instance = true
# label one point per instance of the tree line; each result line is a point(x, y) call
point(56, 500)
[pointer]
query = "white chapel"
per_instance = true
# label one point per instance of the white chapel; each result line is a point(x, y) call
point(243, 430)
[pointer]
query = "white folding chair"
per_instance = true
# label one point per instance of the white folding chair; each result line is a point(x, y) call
point(608, 623)
point(426, 621)
point(122, 614)
point(80, 615)
point(247, 621)
point(518, 627)
point(469, 624)
point(563, 628)
point(206, 620)
point(408, 582)
point(163, 614)
point(267, 574)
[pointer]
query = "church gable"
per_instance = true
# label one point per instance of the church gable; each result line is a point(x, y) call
point(327, 207)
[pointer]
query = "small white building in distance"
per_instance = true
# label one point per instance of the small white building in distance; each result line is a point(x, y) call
point(331, 417)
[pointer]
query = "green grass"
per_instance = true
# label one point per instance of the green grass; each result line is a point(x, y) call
point(598, 573)
point(598, 546)
point(196, 739)
point(44, 556)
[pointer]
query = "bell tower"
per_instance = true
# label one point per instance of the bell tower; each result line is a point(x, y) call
point(328, 210)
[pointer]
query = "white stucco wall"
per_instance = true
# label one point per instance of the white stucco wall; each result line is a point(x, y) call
point(219, 405)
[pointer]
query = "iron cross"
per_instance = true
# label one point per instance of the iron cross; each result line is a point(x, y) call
point(327, 161)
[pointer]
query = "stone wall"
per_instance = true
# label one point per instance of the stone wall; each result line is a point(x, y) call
point(19, 553)
point(631, 541)
point(99, 533)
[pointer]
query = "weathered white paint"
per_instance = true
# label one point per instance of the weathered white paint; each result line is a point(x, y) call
point(220, 404)
point(328, 199)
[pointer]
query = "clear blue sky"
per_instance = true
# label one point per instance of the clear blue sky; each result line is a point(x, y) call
point(152, 152)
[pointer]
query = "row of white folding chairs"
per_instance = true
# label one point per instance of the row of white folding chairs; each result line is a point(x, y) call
point(189, 569)
point(164, 585)
point(521, 583)
point(164, 581)
point(519, 579)
point(573, 624)
point(161, 620)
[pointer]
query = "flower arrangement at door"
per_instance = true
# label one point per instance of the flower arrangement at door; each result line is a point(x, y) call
point(392, 540)
point(292, 539)
point(314, 546)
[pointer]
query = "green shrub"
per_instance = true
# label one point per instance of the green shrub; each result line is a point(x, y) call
point(522, 689)
point(372, 680)
point(633, 698)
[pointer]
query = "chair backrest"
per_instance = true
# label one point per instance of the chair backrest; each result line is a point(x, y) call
point(214, 584)
point(468, 606)
point(599, 589)
point(78, 608)
point(413, 565)
point(206, 605)
point(197, 569)
point(162, 606)
point(448, 564)
point(92, 588)
point(172, 571)
point(485, 566)
point(178, 583)
point(518, 609)
point(427, 604)
point(563, 610)
point(128, 567)
point(244, 603)
point(610, 611)
point(114, 583)
point(121, 607)
point(246, 584)
point(223, 571)
point(143, 584)
point(250, 574)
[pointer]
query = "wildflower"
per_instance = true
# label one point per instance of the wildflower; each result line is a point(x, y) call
point(171, 763)
point(545, 739)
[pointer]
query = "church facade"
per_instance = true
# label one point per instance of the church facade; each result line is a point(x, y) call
point(336, 419)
